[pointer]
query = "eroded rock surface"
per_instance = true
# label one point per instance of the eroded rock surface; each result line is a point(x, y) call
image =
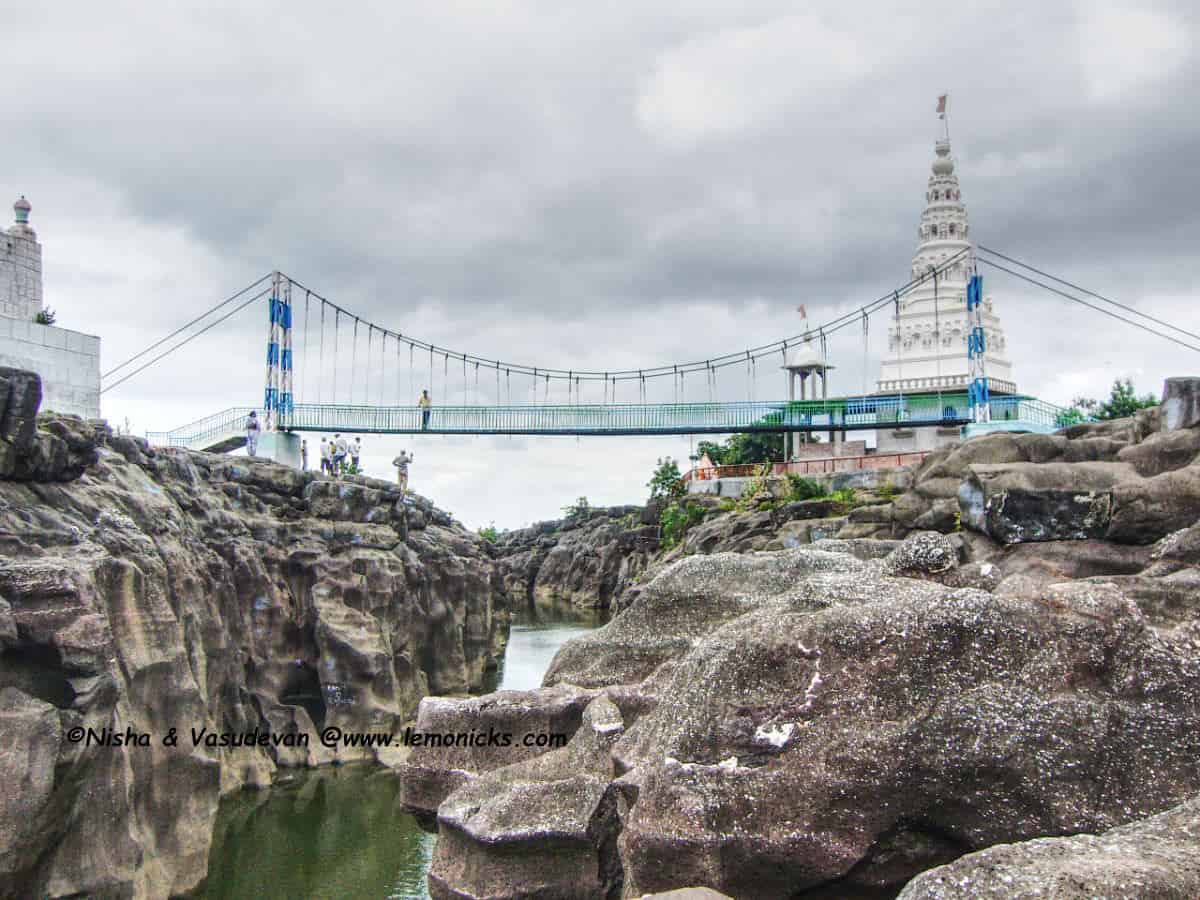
point(1155, 858)
point(160, 589)
point(802, 719)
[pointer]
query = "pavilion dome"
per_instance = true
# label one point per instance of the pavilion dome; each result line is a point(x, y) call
point(804, 356)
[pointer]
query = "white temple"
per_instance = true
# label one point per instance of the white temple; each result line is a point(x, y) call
point(67, 361)
point(927, 345)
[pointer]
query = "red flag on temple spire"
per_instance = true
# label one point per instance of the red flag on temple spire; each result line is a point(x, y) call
point(941, 107)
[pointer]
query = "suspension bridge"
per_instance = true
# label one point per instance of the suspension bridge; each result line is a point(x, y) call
point(330, 370)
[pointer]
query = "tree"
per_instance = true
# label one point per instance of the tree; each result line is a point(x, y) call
point(577, 510)
point(489, 533)
point(743, 449)
point(45, 316)
point(1124, 401)
point(666, 483)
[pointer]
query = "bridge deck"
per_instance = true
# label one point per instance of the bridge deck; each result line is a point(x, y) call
point(846, 413)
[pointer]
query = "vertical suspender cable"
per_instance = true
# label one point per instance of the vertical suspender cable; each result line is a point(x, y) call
point(304, 349)
point(866, 325)
point(370, 338)
point(337, 319)
point(353, 358)
point(321, 356)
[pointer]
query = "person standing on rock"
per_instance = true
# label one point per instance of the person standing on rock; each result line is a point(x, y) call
point(425, 403)
point(401, 463)
point(303, 456)
point(252, 430)
point(326, 456)
point(339, 455)
point(356, 454)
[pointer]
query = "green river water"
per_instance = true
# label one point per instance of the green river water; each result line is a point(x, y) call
point(340, 832)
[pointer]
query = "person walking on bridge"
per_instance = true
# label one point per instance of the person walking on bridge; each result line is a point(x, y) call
point(401, 463)
point(425, 403)
point(252, 431)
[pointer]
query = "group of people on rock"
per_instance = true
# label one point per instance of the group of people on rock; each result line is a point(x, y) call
point(339, 456)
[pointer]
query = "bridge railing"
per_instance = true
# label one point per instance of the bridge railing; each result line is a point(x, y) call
point(849, 413)
point(646, 418)
point(203, 432)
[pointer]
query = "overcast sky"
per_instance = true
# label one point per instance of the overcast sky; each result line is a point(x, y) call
point(594, 185)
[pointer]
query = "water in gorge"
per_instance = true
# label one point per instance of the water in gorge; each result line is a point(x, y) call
point(340, 832)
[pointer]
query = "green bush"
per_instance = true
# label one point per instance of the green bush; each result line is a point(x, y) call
point(846, 498)
point(489, 533)
point(887, 491)
point(45, 316)
point(805, 488)
point(675, 520)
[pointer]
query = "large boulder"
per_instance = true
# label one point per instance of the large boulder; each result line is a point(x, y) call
point(924, 554)
point(1021, 502)
point(1157, 857)
point(787, 758)
point(434, 770)
point(1163, 451)
point(1147, 509)
point(538, 828)
point(1180, 403)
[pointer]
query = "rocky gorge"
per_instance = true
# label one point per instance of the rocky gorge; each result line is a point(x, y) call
point(981, 681)
point(144, 590)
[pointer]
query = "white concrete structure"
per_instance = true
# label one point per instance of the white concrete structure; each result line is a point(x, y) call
point(67, 361)
point(927, 346)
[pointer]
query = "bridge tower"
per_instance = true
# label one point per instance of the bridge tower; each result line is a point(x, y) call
point(278, 402)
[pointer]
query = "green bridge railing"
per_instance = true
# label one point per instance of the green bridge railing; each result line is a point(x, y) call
point(846, 413)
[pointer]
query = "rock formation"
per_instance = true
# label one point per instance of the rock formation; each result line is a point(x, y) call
point(1157, 857)
point(845, 715)
point(584, 561)
point(145, 590)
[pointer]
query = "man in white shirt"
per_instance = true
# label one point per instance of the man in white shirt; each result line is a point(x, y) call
point(339, 454)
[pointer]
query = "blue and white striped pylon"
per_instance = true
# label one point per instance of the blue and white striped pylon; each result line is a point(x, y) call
point(277, 398)
point(977, 388)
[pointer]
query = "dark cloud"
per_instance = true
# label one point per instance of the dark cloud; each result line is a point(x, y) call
point(597, 185)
